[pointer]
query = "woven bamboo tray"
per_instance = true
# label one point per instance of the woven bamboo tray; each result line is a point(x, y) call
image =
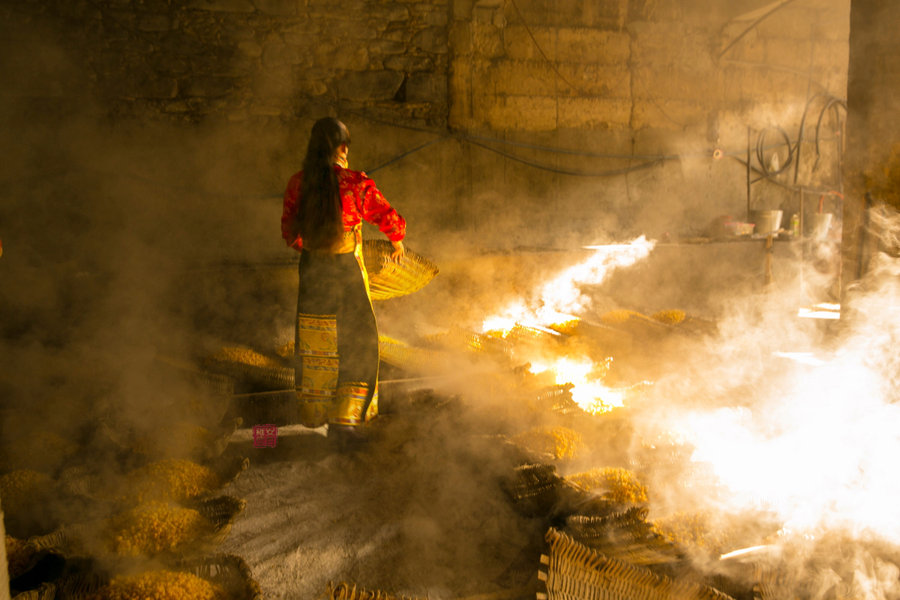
point(536, 489)
point(226, 570)
point(250, 367)
point(392, 279)
point(403, 356)
point(572, 571)
point(46, 591)
point(347, 591)
point(625, 535)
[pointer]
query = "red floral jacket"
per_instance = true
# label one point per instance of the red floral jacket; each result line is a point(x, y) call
point(360, 199)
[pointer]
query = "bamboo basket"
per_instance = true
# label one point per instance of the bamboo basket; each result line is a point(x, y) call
point(347, 591)
point(572, 571)
point(392, 279)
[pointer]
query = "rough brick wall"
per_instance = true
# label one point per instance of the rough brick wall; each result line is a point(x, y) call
point(637, 94)
point(244, 59)
point(541, 123)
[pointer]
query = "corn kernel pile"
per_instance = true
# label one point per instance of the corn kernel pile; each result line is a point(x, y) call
point(617, 485)
point(559, 442)
point(154, 527)
point(160, 585)
point(18, 556)
point(169, 480)
point(23, 489)
point(672, 317)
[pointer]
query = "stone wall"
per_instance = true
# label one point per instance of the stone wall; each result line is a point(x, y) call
point(246, 59)
point(630, 99)
point(493, 123)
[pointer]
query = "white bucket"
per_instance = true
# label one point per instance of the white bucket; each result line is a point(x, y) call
point(767, 221)
point(821, 225)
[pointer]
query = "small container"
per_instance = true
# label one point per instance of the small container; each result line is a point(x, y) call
point(795, 225)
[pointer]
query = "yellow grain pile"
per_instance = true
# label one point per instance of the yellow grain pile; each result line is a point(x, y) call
point(559, 442)
point(24, 489)
point(169, 480)
point(692, 530)
point(615, 484)
point(245, 356)
point(18, 556)
point(160, 585)
point(569, 327)
point(670, 317)
point(154, 527)
point(617, 317)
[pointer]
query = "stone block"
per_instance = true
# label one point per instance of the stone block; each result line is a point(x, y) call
point(594, 113)
point(156, 23)
point(146, 85)
point(426, 87)
point(519, 113)
point(370, 85)
point(431, 39)
point(522, 78)
point(250, 48)
point(391, 13)
point(592, 45)
point(277, 7)
point(409, 63)
point(519, 45)
point(675, 83)
point(385, 47)
point(240, 6)
point(667, 114)
point(208, 86)
point(277, 53)
point(612, 81)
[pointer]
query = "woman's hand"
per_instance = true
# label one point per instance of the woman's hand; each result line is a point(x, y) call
point(398, 252)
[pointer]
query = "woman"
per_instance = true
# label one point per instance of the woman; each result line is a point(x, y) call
point(336, 339)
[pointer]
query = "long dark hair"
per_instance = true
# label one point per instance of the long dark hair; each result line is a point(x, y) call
point(318, 221)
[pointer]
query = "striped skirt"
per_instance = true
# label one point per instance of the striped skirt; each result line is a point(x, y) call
point(335, 342)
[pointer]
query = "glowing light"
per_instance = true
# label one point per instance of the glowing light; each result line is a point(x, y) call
point(558, 299)
point(587, 391)
point(822, 456)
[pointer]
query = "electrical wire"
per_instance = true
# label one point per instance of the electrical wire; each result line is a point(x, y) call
point(753, 25)
point(760, 151)
point(541, 50)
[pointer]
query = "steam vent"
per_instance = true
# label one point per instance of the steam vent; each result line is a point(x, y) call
point(449, 299)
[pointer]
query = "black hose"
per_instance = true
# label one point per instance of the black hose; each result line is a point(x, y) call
point(761, 147)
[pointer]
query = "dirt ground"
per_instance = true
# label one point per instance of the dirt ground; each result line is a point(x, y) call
point(418, 511)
